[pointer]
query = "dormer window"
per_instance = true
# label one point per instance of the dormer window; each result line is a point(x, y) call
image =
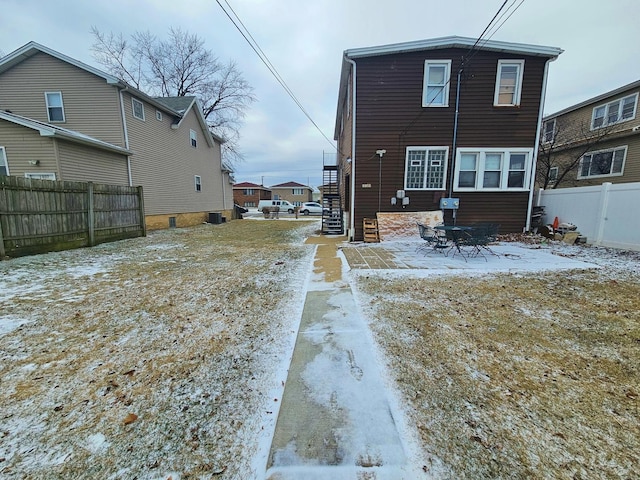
point(55, 109)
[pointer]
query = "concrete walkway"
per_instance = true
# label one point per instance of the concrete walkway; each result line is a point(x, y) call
point(335, 421)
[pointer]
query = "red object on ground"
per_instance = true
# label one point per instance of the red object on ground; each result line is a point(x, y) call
point(555, 223)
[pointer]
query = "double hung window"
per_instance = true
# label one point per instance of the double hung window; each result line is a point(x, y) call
point(508, 83)
point(435, 91)
point(298, 191)
point(603, 163)
point(138, 108)
point(193, 137)
point(425, 168)
point(55, 108)
point(619, 110)
point(492, 170)
point(549, 131)
point(198, 183)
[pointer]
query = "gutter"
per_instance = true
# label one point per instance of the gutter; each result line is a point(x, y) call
point(534, 161)
point(352, 201)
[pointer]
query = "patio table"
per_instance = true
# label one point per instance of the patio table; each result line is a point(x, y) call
point(456, 234)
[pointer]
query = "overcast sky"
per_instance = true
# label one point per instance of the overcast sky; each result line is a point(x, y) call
point(305, 39)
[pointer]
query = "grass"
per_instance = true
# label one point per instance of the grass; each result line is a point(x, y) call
point(517, 376)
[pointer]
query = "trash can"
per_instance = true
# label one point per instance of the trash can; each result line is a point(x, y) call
point(215, 218)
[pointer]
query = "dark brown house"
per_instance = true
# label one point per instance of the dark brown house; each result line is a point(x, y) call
point(440, 119)
point(247, 194)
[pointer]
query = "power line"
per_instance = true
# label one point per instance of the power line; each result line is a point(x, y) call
point(263, 57)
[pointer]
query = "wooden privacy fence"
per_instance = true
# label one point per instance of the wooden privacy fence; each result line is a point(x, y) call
point(39, 216)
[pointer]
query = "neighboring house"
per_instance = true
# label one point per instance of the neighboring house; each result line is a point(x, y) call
point(399, 134)
point(165, 143)
point(294, 192)
point(595, 141)
point(247, 194)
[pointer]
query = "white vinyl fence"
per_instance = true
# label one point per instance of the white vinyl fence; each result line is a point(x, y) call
point(608, 214)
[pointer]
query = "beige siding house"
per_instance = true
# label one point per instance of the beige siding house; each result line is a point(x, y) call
point(593, 142)
point(63, 117)
point(294, 192)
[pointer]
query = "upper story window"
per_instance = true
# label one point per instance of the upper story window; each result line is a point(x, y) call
point(298, 191)
point(435, 90)
point(603, 163)
point(425, 168)
point(193, 136)
point(138, 108)
point(508, 83)
point(198, 183)
point(248, 191)
point(4, 166)
point(619, 110)
point(553, 175)
point(495, 169)
point(158, 115)
point(549, 131)
point(55, 108)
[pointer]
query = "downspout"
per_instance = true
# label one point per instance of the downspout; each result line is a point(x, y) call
point(352, 201)
point(126, 135)
point(534, 162)
point(455, 139)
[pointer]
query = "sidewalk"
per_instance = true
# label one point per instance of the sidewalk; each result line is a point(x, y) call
point(335, 421)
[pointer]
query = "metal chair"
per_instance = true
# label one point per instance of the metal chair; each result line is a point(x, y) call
point(427, 234)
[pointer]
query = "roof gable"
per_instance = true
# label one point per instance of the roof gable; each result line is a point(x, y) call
point(289, 185)
point(249, 185)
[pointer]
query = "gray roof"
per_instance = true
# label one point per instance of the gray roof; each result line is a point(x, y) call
point(178, 104)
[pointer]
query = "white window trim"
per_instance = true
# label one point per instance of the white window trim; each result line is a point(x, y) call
point(613, 149)
point(133, 109)
point(197, 179)
point(158, 115)
point(553, 131)
point(504, 176)
point(193, 137)
point(446, 166)
point(3, 159)
point(447, 83)
point(39, 175)
point(46, 100)
point(518, 93)
point(553, 178)
point(620, 101)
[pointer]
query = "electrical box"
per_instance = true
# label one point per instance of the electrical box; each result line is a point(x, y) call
point(449, 203)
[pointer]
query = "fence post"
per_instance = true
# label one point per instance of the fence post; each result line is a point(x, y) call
point(91, 215)
point(2, 252)
point(603, 207)
point(143, 223)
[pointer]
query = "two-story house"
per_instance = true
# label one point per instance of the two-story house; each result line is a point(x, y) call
point(595, 141)
point(294, 192)
point(64, 120)
point(247, 194)
point(442, 118)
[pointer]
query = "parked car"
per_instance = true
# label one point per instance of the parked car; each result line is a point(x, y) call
point(308, 208)
point(285, 206)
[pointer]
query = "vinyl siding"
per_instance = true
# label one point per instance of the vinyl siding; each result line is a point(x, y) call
point(85, 164)
point(165, 163)
point(390, 116)
point(91, 106)
point(23, 145)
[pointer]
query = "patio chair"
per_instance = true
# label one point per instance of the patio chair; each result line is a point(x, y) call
point(427, 234)
point(492, 235)
point(477, 239)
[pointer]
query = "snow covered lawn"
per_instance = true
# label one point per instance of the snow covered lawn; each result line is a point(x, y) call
point(154, 357)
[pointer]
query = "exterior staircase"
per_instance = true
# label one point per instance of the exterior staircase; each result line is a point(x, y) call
point(331, 205)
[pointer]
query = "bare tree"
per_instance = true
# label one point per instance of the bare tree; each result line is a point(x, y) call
point(563, 148)
point(181, 66)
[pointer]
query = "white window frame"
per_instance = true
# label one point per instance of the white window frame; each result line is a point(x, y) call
point(297, 191)
point(504, 172)
point(40, 175)
point(248, 191)
point(197, 179)
point(158, 115)
point(607, 110)
point(445, 86)
point(518, 86)
point(553, 175)
point(549, 136)
point(135, 101)
point(193, 138)
point(613, 150)
point(3, 160)
point(427, 165)
point(49, 107)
